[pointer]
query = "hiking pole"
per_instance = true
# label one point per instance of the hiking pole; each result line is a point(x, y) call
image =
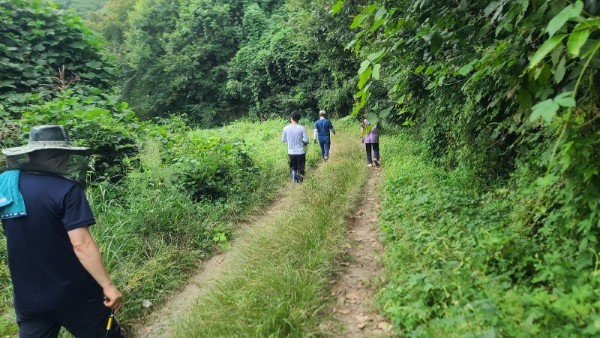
point(110, 320)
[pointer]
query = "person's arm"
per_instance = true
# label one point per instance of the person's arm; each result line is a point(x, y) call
point(283, 136)
point(315, 134)
point(304, 136)
point(88, 254)
point(331, 127)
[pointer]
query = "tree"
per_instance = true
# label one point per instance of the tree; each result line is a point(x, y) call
point(45, 50)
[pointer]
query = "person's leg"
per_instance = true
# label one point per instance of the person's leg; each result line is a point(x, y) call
point(327, 146)
point(89, 320)
point(301, 166)
point(293, 169)
point(322, 145)
point(38, 326)
point(376, 157)
point(368, 147)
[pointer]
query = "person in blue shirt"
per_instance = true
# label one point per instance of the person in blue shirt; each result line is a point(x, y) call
point(323, 127)
point(57, 271)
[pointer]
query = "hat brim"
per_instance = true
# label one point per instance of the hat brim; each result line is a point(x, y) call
point(31, 148)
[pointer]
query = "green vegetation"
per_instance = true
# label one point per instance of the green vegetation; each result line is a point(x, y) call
point(151, 226)
point(491, 195)
point(461, 262)
point(83, 8)
point(215, 61)
point(280, 274)
point(505, 91)
point(44, 51)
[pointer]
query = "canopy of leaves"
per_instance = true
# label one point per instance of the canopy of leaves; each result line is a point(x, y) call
point(83, 8)
point(215, 61)
point(44, 50)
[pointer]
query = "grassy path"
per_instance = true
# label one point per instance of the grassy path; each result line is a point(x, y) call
point(162, 323)
point(277, 278)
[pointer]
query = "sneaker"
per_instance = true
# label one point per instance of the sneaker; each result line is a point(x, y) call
point(369, 165)
point(326, 157)
point(376, 162)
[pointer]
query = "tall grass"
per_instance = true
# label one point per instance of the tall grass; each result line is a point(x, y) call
point(278, 283)
point(152, 233)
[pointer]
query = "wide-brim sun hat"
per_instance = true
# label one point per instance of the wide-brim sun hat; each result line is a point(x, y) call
point(46, 137)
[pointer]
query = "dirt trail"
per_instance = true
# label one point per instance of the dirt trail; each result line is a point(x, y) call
point(162, 322)
point(354, 313)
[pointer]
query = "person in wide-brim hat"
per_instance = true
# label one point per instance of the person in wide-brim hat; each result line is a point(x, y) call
point(46, 137)
point(49, 150)
point(58, 275)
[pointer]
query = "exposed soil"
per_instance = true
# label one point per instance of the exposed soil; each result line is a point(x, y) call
point(354, 313)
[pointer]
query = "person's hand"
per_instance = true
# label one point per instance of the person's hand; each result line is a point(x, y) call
point(315, 141)
point(112, 297)
point(362, 140)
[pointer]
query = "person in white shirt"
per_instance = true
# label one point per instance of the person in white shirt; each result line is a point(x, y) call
point(296, 138)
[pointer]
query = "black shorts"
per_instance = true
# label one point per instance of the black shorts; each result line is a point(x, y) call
point(83, 320)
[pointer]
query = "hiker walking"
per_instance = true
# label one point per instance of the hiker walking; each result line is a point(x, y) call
point(58, 276)
point(296, 138)
point(370, 137)
point(323, 127)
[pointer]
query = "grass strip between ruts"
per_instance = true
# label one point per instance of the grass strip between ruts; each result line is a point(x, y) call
point(277, 281)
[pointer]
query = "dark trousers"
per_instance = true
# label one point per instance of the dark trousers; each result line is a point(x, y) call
point(325, 148)
point(297, 164)
point(375, 147)
point(84, 320)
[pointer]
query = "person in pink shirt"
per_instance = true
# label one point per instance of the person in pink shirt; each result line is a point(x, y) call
point(370, 138)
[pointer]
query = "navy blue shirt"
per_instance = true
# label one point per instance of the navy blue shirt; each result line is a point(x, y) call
point(323, 126)
point(45, 271)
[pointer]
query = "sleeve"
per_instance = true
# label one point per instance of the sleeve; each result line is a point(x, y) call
point(315, 133)
point(283, 136)
point(304, 136)
point(77, 211)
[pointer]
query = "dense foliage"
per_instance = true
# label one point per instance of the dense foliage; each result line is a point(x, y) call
point(216, 61)
point(44, 51)
point(502, 89)
point(83, 8)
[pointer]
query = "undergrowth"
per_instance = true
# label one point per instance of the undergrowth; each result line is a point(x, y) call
point(462, 262)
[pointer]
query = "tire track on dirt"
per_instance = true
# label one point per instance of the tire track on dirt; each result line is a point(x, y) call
point(354, 312)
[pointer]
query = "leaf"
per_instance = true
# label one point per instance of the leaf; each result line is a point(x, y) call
point(560, 71)
point(545, 109)
point(565, 99)
point(373, 118)
point(376, 71)
point(363, 66)
point(547, 180)
point(375, 56)
point(337, 7)
point(545, 49)
point(436, 42)
point(357, 21)
point(569, 12)
point(364, 77)
point(384, 113)
point(380, 13)
point(466, 69)
point(577, 39)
